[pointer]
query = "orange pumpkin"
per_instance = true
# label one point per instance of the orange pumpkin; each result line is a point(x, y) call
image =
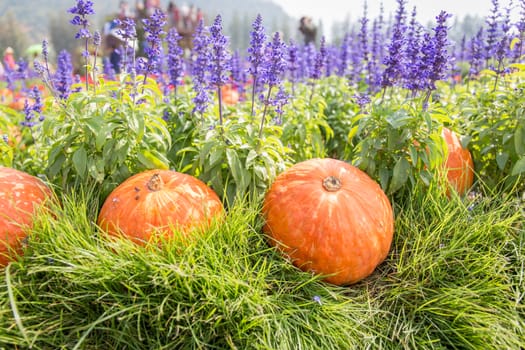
point(329, 218)
point(229, 95)
point(19, 103)
point(155, 200)
point(458, 165)
point(20, 195)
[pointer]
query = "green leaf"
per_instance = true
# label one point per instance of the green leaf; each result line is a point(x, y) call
point(400, 175)
point(55, 166)
point(80, 161)
point(353, 132)
point(519, 167)
point(501, 160)
point(152, 160)
point(465, 140)
point(252, 155)
point(398, 119)
point(488, 72)
point(520, 66)
point(514, 42)
point(384, 177)
point(239, 173)
point(519, 139)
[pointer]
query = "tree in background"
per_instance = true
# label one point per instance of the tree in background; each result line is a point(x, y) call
point(13, 34)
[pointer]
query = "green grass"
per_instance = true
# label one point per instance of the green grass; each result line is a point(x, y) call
point(454, 280)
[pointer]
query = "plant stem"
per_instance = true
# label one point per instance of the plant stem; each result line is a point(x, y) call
point(86, 52)
point(253, 94)
point(497, 76)
point(219, 95)
point(266, 102)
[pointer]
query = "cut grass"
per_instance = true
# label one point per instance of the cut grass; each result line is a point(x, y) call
point(454, 279)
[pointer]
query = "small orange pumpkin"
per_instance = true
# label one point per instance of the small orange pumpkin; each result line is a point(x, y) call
point(329, 218)
point(20, 195)
point(459, 165)
point(154, 200)
point(229, 95)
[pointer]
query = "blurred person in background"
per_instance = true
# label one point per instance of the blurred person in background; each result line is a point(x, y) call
point(9, 59)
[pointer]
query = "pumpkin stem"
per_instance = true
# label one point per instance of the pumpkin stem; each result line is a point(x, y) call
point(332, 183)
point(155, 183)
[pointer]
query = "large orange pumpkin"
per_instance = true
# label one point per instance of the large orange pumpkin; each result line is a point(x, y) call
point(329, 218)
point(155, 201)
point(20, 195)
point(458, 165)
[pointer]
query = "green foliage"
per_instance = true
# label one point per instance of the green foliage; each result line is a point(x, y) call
point(235, 159)
point(397, 143)
point(453, 279)
point(7, 138)
point(104, 138)
point(304, 126)
point(182, 126)
point(340, 110)
point(493, 121)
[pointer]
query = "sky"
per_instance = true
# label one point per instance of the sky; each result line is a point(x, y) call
point(337, 10)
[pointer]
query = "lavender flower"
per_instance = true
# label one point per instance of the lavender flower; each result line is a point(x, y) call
point(374, 72)
point(412, 75)
point(109, 72)
point(330, 60)
point(128, 32)
point(395, 59)
point(81, 11)
point(520, 25)
point(201, 57)
point(476, 53)
point(33, 111)
point(441, 57)
point(293, 63)
point(220, 60)
point(492, 30)
point(275, 63)
point(279, 101)
point(238, 76)
point(363, 36)
point(45, 50)
point(175, 59)
point(96, 38)
point(344, 55)
point(425, 63)
point(319, 61)
point(62, 80)
point(362, 100)
point(220, 57)
point(274, 68)
point(153, 28)
point(256, 54)
point(127, 29)
point(307, 59)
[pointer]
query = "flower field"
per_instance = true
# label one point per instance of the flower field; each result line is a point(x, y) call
point(395, 100)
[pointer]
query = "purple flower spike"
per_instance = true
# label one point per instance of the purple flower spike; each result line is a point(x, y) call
point(199, 68)
point(33, 111)
point(220, 57)
point(62, 79)
point(276, 63)
point(175, 59)
point(256, 53)
point(320, 60)
point(395, 58)
point(154, 31)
